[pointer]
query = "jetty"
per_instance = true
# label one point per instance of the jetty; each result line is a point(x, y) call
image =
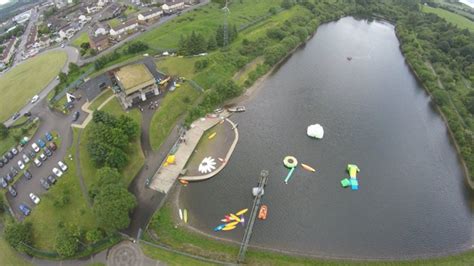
point(253, 215)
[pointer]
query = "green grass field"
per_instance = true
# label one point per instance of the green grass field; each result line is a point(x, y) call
point(114, 22)
point(27, 79)
point(84, 37)
point(46, 216)
point(451, 17)
point(178, 66)
point(99, 100)
point(205, 20)
point(174, 105)
point(8, 256)
point(136, 155)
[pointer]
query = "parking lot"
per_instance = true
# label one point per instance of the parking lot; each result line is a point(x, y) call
point(49, 122)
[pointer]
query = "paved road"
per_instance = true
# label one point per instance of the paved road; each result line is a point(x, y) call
point(72, 56)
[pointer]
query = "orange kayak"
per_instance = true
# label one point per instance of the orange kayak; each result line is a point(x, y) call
point(184, 182)
point(308, 168)
point(262, 214)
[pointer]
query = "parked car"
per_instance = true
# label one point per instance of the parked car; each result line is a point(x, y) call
point(63, 166)
point(24, 209)
point(34, 198)
point(14, 171)
point(37, 162)
point(14, 151)
point(43, 157)
point(15, 116)
point(52, 145)
point(41, 143)
point(3, 182)
point(28, 174)
point(12, 191)
point(57, 172)
point(9, 177)
point(1, 164)
point(44, 183)
point(9, 155)
point(35, 98)
point(75, 116)
point(27, 114)
point(5, 160)
point(51, 179)
point(35, 147)
point(21, 165)
point(25, 158)
point(48, 136)
point(48, 152)
point(32, 154)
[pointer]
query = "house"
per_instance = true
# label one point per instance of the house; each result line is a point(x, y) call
point(99, 42)
point(136, 83)
point(68, 31)
point(100, 30)
point(112, 11)
point(43, 42)
point(150, 15)
point(8, 51)
point(123, 28)
point(31, 39)
point(172, 6)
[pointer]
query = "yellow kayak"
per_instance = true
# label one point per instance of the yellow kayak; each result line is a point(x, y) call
point(185, 216)
point(212, 135)
point(308, 168)
point(235, 218)
point(243, 211)
point(228, 228)
point(232, 224)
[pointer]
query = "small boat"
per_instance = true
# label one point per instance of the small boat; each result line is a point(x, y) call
point(180, 214)
point(237, 109)
point(221, 160)
point(229, 228)
point(241, 212)
point(184, 182)
point(219, 227)
point(349, 58)
point(185, 216)
point(232, 224)
point(308, 168)
point(262, 214)
point(234, 217)
point(212, 135)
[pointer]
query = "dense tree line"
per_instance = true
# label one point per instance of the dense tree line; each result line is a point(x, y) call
point(109, 138)
point(133, 48)
point(16, 32)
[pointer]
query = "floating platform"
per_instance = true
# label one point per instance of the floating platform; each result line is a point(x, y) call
point(345, 182)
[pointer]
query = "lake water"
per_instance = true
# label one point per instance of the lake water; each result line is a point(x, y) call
point(412, 201)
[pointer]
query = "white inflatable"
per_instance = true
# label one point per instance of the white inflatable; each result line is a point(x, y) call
point(315, 131)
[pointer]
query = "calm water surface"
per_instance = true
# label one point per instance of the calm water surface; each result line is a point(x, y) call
point(412, 199)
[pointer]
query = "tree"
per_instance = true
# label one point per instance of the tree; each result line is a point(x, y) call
point(73, 68)
point(18, 235)
point(3, 131)
point(94, 235)
point(286, 4)
point(211, 43)
point(105, 176)
point(62, 77)
point(112, 207)
point(85, 45)
point(67, 242)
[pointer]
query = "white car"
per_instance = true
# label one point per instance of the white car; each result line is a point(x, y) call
point(57, 172)
point(35, 147)
point(35, 98)
point(21, 165)
point(37, 162)
point(34, 198)
point(63, 166)
point(26, 159)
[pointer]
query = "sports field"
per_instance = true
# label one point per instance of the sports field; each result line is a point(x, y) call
point(451, 17)
point(27, 79)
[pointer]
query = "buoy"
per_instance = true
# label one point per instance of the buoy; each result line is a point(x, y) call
point(180, 214)
point(307, 167)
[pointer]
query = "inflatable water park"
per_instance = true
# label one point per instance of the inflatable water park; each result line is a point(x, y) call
point(352, 181)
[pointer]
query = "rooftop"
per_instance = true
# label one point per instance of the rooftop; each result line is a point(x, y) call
point(134, 77)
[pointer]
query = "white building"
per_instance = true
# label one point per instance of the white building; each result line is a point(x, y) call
point(23, 17)
point(68, 31)
point(172, 6)
point(152, 14)
point(124, 28)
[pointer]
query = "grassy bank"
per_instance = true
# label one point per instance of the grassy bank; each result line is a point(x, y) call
point(451, 17)
point(16, 134)
point(173, 106)
point(27, 79)
point(82, 38)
